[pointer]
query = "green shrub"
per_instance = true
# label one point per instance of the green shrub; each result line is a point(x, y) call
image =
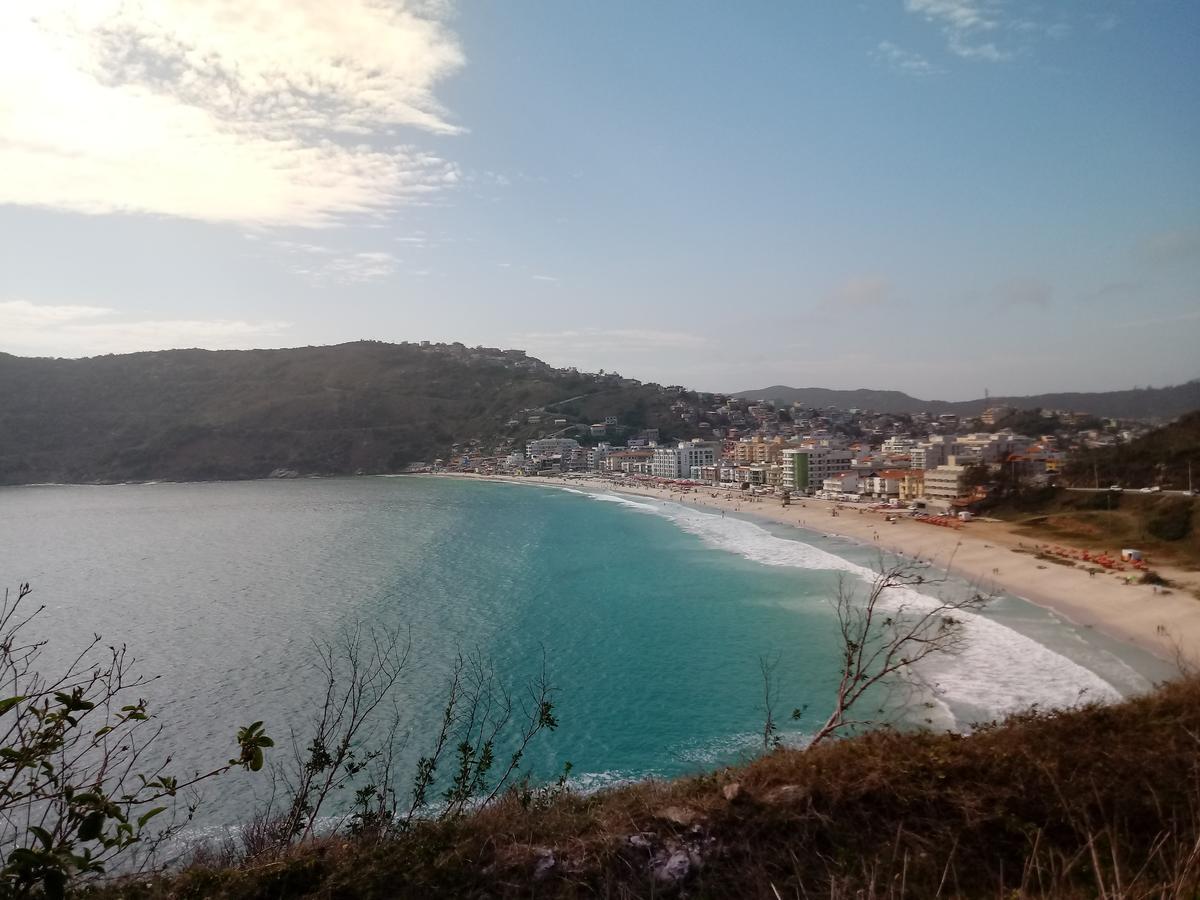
point(1171, 520)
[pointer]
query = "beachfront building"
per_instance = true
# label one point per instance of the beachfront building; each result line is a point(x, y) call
point(678, 461)
point(806, 468)
point(885, 484)
point(945, 484)
point(912, 485)
point(596, 456)
point(757, 450)
point(546, 447)
point(514, 462)
point(630, 462)
point(842, 483)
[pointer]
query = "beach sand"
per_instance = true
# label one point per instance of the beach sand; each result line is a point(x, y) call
point(987, 554)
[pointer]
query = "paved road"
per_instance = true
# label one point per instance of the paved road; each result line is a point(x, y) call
point(1105, 490)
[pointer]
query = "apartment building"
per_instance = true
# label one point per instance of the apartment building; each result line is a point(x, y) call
point(550, 447)
point(757, 450)
point(945, 483)
point(928, 455)
point(631, 462)
point(897, 446)
point(678, 461)
point(842, 483)
point(912, 485)
point(806, 468)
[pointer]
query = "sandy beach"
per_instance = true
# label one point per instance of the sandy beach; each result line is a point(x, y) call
point(1163, 622)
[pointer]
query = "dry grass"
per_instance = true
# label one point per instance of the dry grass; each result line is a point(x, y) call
point(1094, 521)
point(1095, 802)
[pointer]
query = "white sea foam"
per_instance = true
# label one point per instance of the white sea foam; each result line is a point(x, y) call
point(624, 501)
point(998, 671)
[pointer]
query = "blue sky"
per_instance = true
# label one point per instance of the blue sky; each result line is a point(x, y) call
point(937, 196)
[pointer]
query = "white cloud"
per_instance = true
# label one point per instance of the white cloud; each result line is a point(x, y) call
point(963, 22)
point(902, 60)
point(997, 30)
point(251, 111)
point(321, 264)
point(36, 329)
point(16, 315)
point(961, 15)
point(549, 278)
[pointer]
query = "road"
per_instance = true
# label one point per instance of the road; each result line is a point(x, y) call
point(1105, 490)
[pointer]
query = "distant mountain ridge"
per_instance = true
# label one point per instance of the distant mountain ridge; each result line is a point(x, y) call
point(1136, 403)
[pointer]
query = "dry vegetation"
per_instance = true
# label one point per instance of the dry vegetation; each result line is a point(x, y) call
point(1165, 527)
point(1102, 801)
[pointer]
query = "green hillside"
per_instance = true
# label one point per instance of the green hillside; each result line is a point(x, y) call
point(1160, 457)
point(366, 406)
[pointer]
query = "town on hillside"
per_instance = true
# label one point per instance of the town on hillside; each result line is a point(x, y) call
point(939, 463)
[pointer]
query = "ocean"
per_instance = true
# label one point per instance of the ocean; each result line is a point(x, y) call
point(652, 617)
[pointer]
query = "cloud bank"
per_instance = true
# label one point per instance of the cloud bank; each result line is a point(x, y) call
point(260, 112)
point(37, 329)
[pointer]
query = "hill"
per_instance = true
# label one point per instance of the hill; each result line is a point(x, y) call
point(820, 398)
point(1160, 457)
point(1099, 801)
point(365, 406)
point(1137, 403)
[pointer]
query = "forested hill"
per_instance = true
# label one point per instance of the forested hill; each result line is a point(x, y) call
point(1136, 403)
point(369, 406)
point(1168, 457)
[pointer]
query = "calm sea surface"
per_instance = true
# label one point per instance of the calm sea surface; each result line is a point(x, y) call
point(652, 616)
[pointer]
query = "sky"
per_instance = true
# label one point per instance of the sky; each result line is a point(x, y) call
point(936, 196)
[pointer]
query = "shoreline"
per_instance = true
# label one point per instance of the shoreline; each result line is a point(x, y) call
point(984, 553)
point(988, 554)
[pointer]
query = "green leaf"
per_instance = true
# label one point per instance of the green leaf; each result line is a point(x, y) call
point(9, 703)
point(146, 817)
point(91, 826)
point(42, 835)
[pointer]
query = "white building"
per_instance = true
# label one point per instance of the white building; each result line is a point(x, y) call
point(596, 456)
point(551, 447)
point(677, 461)
point(842, 483)
point(806, 468)
point(928, 455)
point(945, 483)
point(898, 446)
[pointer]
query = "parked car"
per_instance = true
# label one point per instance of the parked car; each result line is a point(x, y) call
point(1115, 487)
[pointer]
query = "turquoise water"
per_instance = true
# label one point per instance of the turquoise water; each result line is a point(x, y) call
point(652, 616)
